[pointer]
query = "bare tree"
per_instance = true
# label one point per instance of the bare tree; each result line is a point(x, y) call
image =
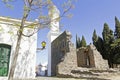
point(42, 21)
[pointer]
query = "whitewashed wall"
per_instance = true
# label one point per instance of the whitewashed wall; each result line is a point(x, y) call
point(27, 55)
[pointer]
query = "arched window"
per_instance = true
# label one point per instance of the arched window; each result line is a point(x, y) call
point(4, 59)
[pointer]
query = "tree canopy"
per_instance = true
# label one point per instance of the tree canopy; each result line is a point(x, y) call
point(109, 44)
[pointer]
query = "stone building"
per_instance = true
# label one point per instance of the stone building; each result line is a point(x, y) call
point(91, 58)
point(65, 59)
point(63, 55)
point(27, 55)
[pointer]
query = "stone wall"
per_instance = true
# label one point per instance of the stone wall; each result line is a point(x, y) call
point(63, 55)
point(64, 60)
point(90, 57)
point(85, 59)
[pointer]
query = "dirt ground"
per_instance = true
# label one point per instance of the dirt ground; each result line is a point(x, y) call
point(55, 78)
point(117, 77)
point(114, 77)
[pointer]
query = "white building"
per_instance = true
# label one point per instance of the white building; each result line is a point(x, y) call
point(27, 55)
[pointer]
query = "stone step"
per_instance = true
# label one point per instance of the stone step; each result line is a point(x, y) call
point(92, 74)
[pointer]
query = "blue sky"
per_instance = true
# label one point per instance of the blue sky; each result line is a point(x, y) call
point(87, 16)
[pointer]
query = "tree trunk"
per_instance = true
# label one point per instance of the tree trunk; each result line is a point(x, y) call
point(20, 31)
point(15, 55)
point(14, 59)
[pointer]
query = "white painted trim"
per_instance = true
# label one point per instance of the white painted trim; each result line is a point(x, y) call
point(51, 37)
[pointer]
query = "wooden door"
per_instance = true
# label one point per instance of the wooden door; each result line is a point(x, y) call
point(4, 59)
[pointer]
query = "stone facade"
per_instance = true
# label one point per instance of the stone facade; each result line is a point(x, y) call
point(27, 55)
point(86, 64)
point(63, 55)
point(90, 57)
point(84, 59)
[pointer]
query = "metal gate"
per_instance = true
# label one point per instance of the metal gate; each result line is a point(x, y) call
point(4, 59)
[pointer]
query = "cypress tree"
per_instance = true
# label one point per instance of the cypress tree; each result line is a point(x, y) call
point(94, 38)
point(77, 42)
point(100, 46)
point(117, 28)
point(116, 44)
point(107, 41)
point(98, 42)
point(83, 42)
point(105, 33)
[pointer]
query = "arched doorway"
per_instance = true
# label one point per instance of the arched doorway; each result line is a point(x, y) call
point(4, 59)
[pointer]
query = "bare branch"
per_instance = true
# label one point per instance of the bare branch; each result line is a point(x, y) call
point(35, 30)
point(66, 10)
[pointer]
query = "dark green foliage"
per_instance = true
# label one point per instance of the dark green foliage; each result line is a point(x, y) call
point(116, 44)
point(83, 42)
point(77, 42)
point(95, 38)
point(104, 45)
point(98, 42)
point(117, 28)
point(80, 43)
point(105, 33)
point(108, 38)
point(109, 44)
point(100, 46)
point(116, 51)
point(116, 59)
